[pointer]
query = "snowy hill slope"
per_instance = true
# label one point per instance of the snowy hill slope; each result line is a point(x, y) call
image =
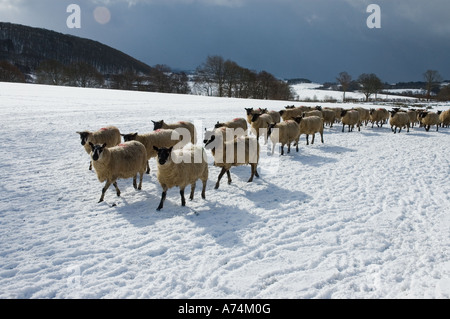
point(364, 215)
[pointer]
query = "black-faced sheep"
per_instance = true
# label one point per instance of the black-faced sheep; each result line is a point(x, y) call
point(181, 168)
point(109, 135)
point(276, 117)
point(186, 129)
point(239, 151)
point(412, 117)
point(428, 119)
point(310, 126)
point(250, 112)
point(158, 138)
point(377, 116)
point(284, 133)
point(260, 124)
point(119, 162)
point(350, 118)
point(329, 117)
point(292, 112)
point(238, 124)
point(398, 120)
point(364, 115)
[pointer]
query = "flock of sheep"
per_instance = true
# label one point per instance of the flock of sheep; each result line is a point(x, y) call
point(181, 162)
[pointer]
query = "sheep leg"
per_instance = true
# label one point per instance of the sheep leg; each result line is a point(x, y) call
point(134, 181)
point(296, 145)
point(307, 139)
point(141, 177)
point(220, 177)
point(321, 137)
point(343, 128)
point(313, 137)
point(281, 149)
point(90, 165)
point(108, 183)
point(204, 189)
point(183, 200)
point(229, 177)
point(253, 168)
point(163, 198)
point(148, 168)
point(289, 148)
point(191, 197)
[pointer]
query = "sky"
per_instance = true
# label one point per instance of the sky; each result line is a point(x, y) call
point(313, 39)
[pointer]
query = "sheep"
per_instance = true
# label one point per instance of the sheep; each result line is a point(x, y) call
point(412, 117)
point(276, 117)
point(350, 118)
point(429, 119)
point(109, 135)
point(364, 115)
point(337, 112)
point(313, 113)
point(122, 161)
point(180, 168)
point(228, 134)
point(398, 120)
point(238, 124)
point(159, 138)
point(182, 126)
point(250, 112)
point(285, 132)
point(239, 151)
point(310, 126)
point(444, 118)
point(377, 116)
point(329, 117)
point(291, 112)
point(260, 122)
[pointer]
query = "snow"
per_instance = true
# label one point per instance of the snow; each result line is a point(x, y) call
point(364, 215)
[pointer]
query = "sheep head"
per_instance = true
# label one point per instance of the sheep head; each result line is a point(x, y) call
point(163, 154)
point(97, 151)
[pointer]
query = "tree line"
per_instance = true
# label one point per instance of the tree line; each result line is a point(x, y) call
point(370, 84)
point(214, 77)
point(225, 78)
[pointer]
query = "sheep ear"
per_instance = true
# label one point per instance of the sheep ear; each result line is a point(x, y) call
point(155, 148)
point(104, 145)
point(170, 149)
point(91, 145)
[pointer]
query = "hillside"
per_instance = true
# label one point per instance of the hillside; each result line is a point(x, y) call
point(26, 47)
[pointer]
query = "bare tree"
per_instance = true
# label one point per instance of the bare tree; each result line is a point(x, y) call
point(370, 84)
point(432, 78)
point(344, 79)
point(212, 72)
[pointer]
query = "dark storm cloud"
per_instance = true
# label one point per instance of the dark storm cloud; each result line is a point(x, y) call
point(315, 39)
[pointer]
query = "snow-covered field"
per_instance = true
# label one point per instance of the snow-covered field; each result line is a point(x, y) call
point(311, 91)
point(364, 215)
